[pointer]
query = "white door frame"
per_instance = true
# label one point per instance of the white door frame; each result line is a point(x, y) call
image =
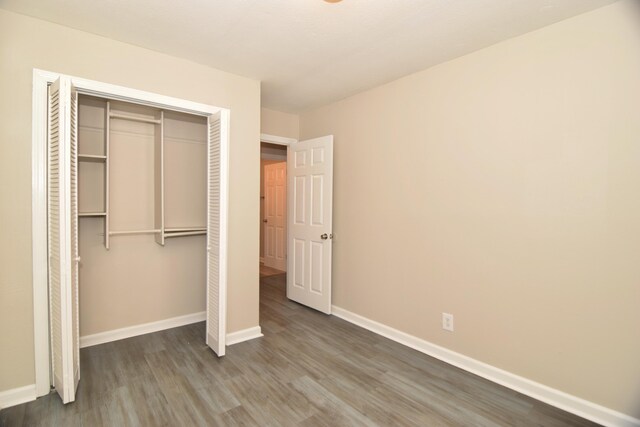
point(278, 140)
point(41, 81)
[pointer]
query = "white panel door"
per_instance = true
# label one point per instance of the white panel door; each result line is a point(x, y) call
point(63, 239)
point(310, 195)
point(216, 232)
point(275, 208)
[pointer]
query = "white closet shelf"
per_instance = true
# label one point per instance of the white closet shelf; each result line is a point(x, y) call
point(182, 229)
point(124, 232)
point(134, 118)
point(92, 158)
point(92, 214)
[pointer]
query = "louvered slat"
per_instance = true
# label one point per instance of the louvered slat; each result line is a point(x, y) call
point(75, 255)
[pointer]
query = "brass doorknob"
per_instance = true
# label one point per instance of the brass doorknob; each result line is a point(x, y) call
point(324, 236)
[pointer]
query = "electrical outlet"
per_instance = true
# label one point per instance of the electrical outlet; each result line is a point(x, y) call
point(447, 322)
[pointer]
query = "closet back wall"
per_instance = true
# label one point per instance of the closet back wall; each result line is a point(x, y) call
point(27, 43)
point(160, 282)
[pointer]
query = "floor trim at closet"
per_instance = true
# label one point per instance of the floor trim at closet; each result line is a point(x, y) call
point(244, 335)
point(16, 396)
point(145, 328)
point(161, 325)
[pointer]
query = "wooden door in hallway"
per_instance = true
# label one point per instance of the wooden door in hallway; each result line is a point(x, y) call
point(275, 227)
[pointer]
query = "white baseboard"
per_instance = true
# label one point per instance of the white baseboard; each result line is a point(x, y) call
point(161, 325)
point(16, 396)
point(557, 398)
point(244, 335)
point(145, 328)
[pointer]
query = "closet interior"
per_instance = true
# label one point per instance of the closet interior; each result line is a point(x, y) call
point(142, 208)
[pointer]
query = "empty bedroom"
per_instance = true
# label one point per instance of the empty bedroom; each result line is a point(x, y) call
point(320, 212)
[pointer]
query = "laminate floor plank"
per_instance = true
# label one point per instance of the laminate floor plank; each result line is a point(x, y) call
point(309, 369)
point(150, 404)
point(236, 417)
point(267, 407)
point(442, 404)
point(13, 416)
point(472, 394)
point(333, 409)
point(380, 408)
point(269, 271)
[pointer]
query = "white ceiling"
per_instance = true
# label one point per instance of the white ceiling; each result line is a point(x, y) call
point(308, 52)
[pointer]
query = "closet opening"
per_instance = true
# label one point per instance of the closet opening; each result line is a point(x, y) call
point(142, 213)
point(130, 207)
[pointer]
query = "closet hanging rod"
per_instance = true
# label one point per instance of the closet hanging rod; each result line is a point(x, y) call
point(121, 233)
point(92, 158)
point(133, 118)
point(185, 233)
point(92, 213)
point(180, 229)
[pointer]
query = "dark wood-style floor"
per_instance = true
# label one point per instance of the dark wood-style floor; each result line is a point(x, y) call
point(269, 271)
point(309, 370)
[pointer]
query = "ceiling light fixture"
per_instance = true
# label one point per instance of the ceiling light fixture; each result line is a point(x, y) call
point(333, 1)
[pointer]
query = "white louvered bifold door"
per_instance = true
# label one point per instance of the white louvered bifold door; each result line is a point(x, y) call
point(63, 239)
point(216, 235)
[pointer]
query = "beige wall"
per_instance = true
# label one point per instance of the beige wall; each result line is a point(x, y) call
point(503, 187)
point(26, 43)
point(279, 124)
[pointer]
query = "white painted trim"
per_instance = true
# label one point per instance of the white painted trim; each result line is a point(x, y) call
point(126, 94)
point(161, 325)
point(39, 231)
point(16, 396)
point(280, 140)
point(557, 398)
point(41, 80)
point(225, 127)
point(144, 328)
point(244, 335)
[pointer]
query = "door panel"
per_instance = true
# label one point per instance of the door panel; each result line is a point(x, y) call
point(310, 168)
point(275, 182)
point(317, 250)
point(317, 202)
point(299, 200)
